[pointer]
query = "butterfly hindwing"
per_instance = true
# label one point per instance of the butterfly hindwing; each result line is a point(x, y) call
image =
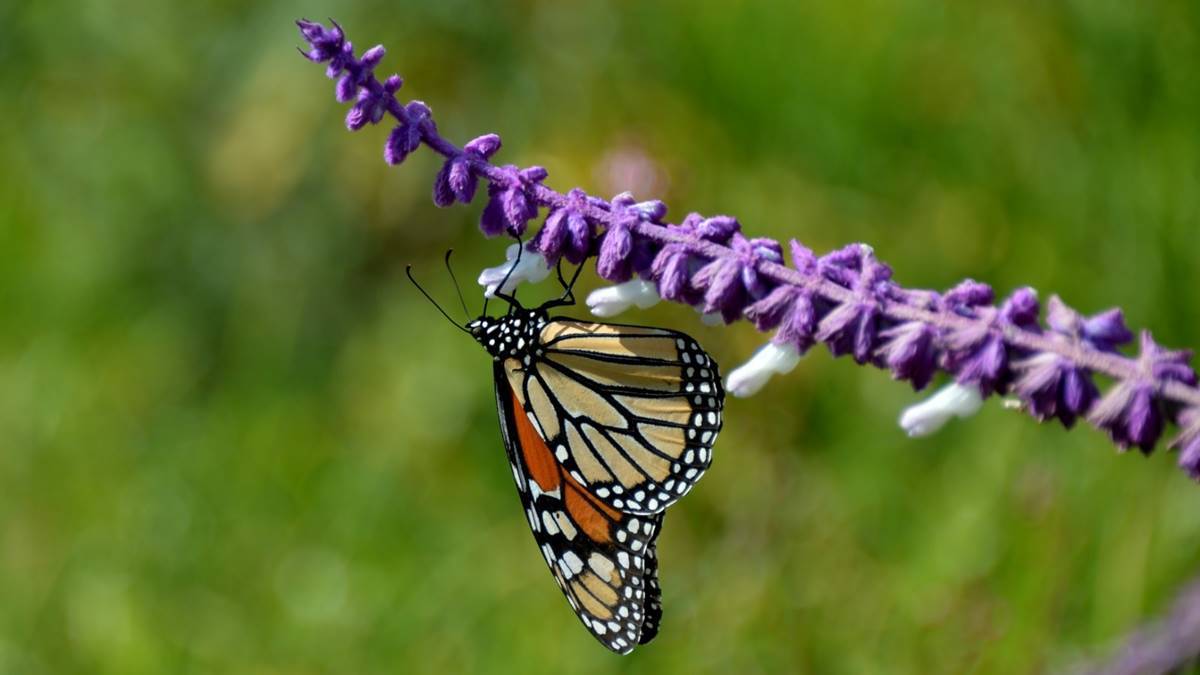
point(602, 558)
point(630, 412)
point(654, 610)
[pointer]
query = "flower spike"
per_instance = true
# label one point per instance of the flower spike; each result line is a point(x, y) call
point(846, 299)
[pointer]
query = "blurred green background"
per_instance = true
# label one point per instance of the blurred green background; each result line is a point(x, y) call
point(233, 438)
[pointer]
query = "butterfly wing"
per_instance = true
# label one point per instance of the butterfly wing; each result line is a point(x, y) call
point(653, 597)
point(631, 412)
point(602, 559)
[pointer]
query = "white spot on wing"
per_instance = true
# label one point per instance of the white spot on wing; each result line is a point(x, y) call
point(601, 565)
point(565, 524)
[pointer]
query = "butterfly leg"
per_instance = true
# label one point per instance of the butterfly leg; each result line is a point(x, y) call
point(499, 292)
point(568, 296)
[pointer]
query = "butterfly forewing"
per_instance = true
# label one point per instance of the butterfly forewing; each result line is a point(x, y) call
point(630, 412)
point(602, 558)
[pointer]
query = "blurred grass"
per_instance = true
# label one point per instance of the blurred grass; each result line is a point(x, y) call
point(233, 439)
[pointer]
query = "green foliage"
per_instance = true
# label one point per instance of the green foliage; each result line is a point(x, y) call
point(233, 439)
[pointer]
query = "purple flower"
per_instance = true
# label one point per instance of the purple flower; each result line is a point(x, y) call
point(843, 266)
point(788, 309)
point(968, 294)
point(567, 232)
point(1054, 386)
point(327, 44)
point(458, 177)
point(910, 352)
point(372, 103)
point(512, 202)
point(851, 327)
point(731, 282)
point(676, 263)
point(1131, 412)
point(406, 136)
point(718, 229)
point(359, 73)
point(977, 353)
point(1188, 442)
point(846, 298)
point(1104, 331)
point(621, 253)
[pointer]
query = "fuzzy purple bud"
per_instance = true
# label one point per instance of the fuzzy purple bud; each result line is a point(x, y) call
point(720, 281)
point(852, 326)
point(345, 89)
point(615, 249)
point(406, 136)
point(651, 211)
point(372, 103)
point(1104, 331)
point(966, 295)
point(803, 258)
point(621, 253)
point(731, 282)
point(372, 57)
point(567, 231)
point(1188, 442)
point(675, 264)
point(359, 74)
point(1131, 412)
point(672, 267)
point(757, 250)
point(910, 353)
point(1053, 386)
point(325, 44)
point(511, 203)
point(978, 354)
point(788, 309)
point(718, 229)
point(457, 179)
point(849, 256)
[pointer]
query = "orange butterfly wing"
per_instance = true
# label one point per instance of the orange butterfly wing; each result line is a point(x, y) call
point(602, 559)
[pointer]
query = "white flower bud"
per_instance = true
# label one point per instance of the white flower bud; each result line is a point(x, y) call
point(612, 300)
point(532, 268)
point(770, 360)
point(928, 416)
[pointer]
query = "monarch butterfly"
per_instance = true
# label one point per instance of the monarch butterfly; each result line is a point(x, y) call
point(605, 426)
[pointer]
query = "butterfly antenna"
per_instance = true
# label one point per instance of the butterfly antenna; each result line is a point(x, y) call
point(408, 271)
point(456, 287)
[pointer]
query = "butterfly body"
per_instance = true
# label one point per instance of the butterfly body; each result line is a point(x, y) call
point(512, 336)
point(605, 426)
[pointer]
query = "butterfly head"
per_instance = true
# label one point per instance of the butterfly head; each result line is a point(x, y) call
point(511, 336)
